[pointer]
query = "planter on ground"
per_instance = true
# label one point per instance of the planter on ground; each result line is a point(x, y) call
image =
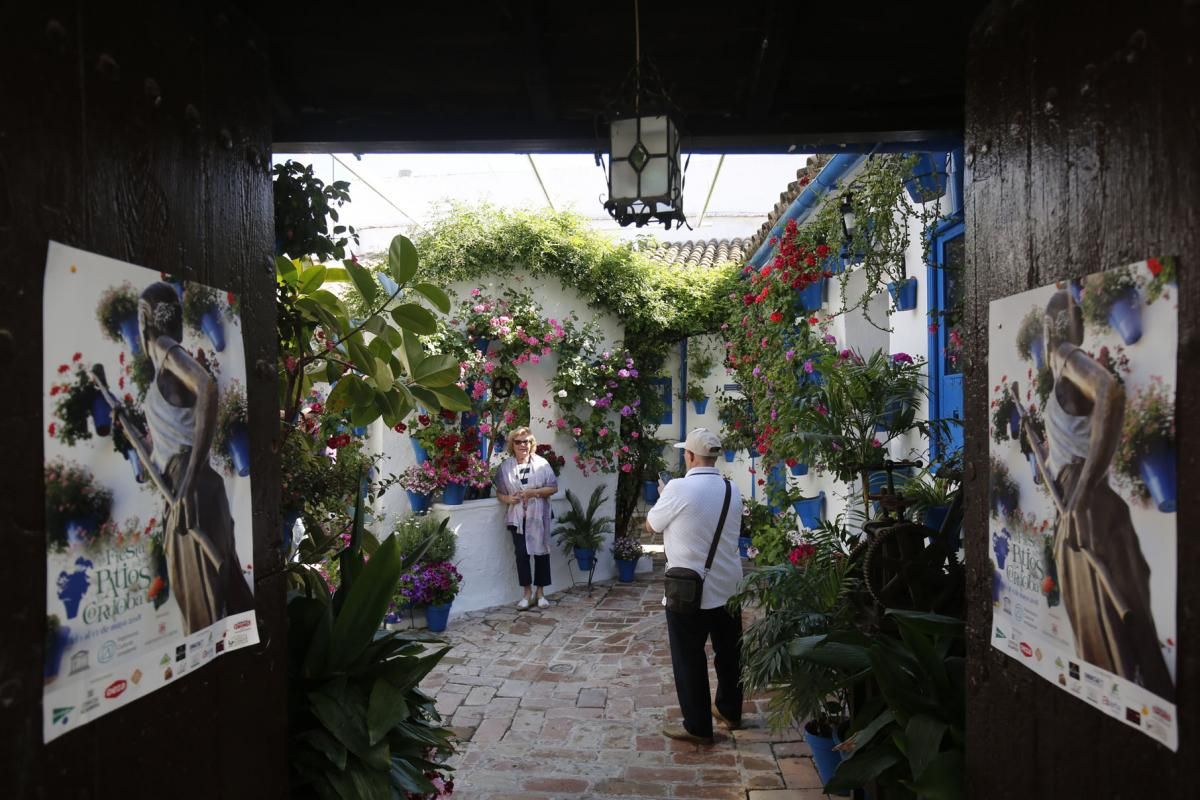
point(437, 616)
point(419, 503)
point(625, 569)
point(825, 758)
point(650, 491)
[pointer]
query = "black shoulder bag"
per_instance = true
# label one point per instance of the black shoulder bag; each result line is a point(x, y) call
point(683, 586)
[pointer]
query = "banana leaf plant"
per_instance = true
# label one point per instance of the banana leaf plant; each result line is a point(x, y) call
point(910, 735)
point(359, 726)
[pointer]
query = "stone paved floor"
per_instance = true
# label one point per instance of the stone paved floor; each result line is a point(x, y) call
point(569, 703)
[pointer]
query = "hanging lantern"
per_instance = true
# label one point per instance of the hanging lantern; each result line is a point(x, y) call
point(645, 180)
point(849, 221)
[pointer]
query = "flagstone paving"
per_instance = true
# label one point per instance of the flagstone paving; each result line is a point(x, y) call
point(569, 702)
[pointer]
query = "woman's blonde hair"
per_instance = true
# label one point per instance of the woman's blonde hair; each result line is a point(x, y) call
point(520, 433)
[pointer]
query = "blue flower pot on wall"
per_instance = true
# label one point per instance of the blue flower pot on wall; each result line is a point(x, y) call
point(730, 455)
point(810, 297)
point(419, 452)
point(101, 414)
point(811, 510)
point(454, 494)
point(419, 503)
point(625, 569)
point(437, 617)
point(1157, 469)
point(799, 469)
point(1125, 315)
point(129, 332)
point(928, 181)
point(700, 405)
point(585, 557)
point(650, 491)
point(214, 328)
point(239, 448)
point(904, 294)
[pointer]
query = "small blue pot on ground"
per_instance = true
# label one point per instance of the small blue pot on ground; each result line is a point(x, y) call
point(437, 617)
point(825, 758)
point(585, 556)
point(1157, 469)
point(625, 569)
point(744, 543)
point(419, 503)
point(214, 328)
point(700, 405)
point(454, 493)
point(650, 491)
point(1125, 315)
point(811, 510)
point(129, 332)
point(101, 414)
point(904, 294)
point(730, 455)
point(239, 448)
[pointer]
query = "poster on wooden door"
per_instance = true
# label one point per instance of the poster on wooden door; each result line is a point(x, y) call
point(1082, 486)
point(149, 557)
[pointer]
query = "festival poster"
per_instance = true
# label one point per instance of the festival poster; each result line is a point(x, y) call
point(1082, 529)
point(149, 552)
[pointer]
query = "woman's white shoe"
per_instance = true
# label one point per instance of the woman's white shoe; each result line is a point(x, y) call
point(543, 602)
point(523, 603)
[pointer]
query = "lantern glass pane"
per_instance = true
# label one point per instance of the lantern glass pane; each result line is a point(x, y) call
point(624, 181)
point(654, 178)
point(654, 134)
point(623, 136)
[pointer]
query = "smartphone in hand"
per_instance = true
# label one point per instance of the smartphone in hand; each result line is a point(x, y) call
point(664, 478)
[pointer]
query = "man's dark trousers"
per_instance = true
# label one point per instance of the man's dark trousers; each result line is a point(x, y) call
point(688, 633)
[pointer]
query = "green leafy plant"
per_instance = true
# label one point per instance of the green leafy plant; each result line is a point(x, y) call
point(428, 534)
point(198, 300)
point(231, 412)
point(626, 548)
point(582, 529)
point(117, 303)
point(1149, 424)
point(1100, 291)
point(700, 363)
point(737, 422)
point(72, 404)
point(1031, 329)
point(1004, 490)
point(303, 206)
point(358, 725)
point(72, 495)
point(1003, 407)
point(1163, 273)
point(770, 533)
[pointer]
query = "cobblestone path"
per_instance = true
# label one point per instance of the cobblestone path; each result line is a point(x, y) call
point(569, 703)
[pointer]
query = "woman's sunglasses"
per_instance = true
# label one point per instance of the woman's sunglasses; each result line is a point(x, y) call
point(522, 441)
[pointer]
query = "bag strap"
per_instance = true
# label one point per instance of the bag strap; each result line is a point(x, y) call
point(712, 550)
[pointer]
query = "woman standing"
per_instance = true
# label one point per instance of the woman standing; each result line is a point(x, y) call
point(181, 410)
point(1103, 576)
point(525, 482)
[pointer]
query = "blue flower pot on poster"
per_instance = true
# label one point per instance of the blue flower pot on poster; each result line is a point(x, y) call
point(825, 758)
point(214, 328)
point(1075, 285)
point(101, 414)
point(419, 452)
point(1157, 468)
point(135, 462)
point(454, 494)
point(129, 332)
point(56, 645)
point(744, 543)
point(799, 470)
point(289, 525)
point(625, 569)
point(904, 294)
point(1014, 423)
point(1038, 349)
point(650, 491)
point(810, 510)
point(81, 530)
point(928, 181)
point(1125, 315)
point(239, 448)
point(700, 405)
point(419, 503)
point(730, 455)
point(437, 617)
point(1037, 476)
point(585, 557)
point(810, 297)
point(1000, 547)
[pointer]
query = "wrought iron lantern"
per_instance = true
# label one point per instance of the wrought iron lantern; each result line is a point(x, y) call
point(849, 221)
point(645, 179)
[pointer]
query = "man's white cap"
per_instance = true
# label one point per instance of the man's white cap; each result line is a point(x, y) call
point(702, 442)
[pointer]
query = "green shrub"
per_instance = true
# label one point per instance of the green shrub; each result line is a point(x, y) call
point(412, 533)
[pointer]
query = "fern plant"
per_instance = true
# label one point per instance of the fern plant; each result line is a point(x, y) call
point(583, 529)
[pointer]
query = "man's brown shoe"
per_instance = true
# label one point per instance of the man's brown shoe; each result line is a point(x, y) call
point(719, 717)
point(681, 733)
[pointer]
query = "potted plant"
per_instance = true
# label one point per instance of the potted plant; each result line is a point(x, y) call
point(1111, 299)
point(76, 506)
point(581, 532)
point(653, 464)
point(117, 312)
point(927, 178)
point(74, 401)
point(930, 496)
point(700, 363)
point(426, 538)
point(201, 313)
point(232, 440)
point(904, 294)
point(419, 482)
point(737, 424)
point(810, 510)
point(1006, 419)
point(1030, 338)
point(626, 550)
point(1005, 493)
point(433, 584)
point(1145, 460)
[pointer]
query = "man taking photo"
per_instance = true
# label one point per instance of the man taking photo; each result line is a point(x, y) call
point(687, 513)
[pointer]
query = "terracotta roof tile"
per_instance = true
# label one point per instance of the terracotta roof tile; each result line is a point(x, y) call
point(700, 253)
point(803, 176)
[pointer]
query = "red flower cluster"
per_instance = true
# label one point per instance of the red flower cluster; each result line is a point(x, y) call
point(801, 553)
point(338, 440)
point(399, 427)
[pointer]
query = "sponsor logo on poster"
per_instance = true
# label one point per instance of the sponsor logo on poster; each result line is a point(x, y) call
point(79, 662)
point(1073, 669)
point(1038, 653)
point(167, 674)
point(181, 652)
point(1161, 713)
point(1094, 680)
point(115, 689)
point(107, 651)
point(1134, 716)
point(136, 677)
point(60, 715)
point(1026, 650)
point(241, 625)
point(1000, 633)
